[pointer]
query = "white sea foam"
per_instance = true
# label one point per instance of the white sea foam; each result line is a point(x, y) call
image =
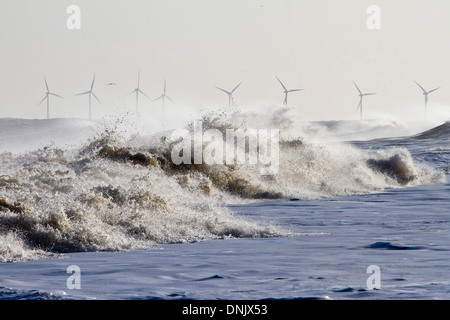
point(119, 191)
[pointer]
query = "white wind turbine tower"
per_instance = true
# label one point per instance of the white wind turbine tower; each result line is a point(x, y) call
point(361, 95)
point(137, 91)
point(230, 94)
point(47, 96)
point(90, 92)
point(163, 96)
point(425, 93)
point(286, 91)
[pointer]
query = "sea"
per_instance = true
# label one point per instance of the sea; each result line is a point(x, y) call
point(96, 210)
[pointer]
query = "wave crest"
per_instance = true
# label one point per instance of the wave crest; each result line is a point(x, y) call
point(114, 195)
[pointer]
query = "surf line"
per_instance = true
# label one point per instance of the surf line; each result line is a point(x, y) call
point(238, 146)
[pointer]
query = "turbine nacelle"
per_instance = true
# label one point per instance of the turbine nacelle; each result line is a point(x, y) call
point(361, 95)
point(47, 97)
point(426, 93)
point(286, 91)
point(230, 94)
point(163, 96)
point(90, 92)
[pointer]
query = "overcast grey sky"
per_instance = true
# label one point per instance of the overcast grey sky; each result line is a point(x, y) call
point(317, 45)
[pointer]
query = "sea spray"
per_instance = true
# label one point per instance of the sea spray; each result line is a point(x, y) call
point(125, 194)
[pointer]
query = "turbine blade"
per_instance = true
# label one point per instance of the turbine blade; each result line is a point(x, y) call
point(129, 93)
point(169, 99)
point(42, 100)
point(92, 85)
point(357, 88)
point(424, 91)
point(96, 98)
point(369, 94)
point(139, 77)
point(236, 87)
point(281, 83)
point(139, 90)
point(79, 94)
point(160, 97)
point(46, 85)
point(433, 90)
point(54, 94)
point(223, 90)
point(292, 90)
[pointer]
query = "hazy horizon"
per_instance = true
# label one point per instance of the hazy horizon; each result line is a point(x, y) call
point(318, 46)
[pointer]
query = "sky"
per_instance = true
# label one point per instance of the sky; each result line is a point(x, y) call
point(320, 46)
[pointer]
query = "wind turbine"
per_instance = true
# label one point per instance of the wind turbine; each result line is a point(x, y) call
point(163, 96)
point(90, 92)
point(137, 91)
point(230, 94)
point(425, 93)
point(47, 96)
point(361, 95)
point(286, 91)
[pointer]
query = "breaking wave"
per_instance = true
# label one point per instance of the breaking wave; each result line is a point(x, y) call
point(439, 132)
point(115, 194)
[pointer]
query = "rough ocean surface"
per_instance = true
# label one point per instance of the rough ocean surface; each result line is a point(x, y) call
point(348, 195)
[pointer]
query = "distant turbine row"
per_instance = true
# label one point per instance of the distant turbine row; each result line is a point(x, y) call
point(91, 93)
point(361, 95)
point(230, 93)
point(163, 96)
